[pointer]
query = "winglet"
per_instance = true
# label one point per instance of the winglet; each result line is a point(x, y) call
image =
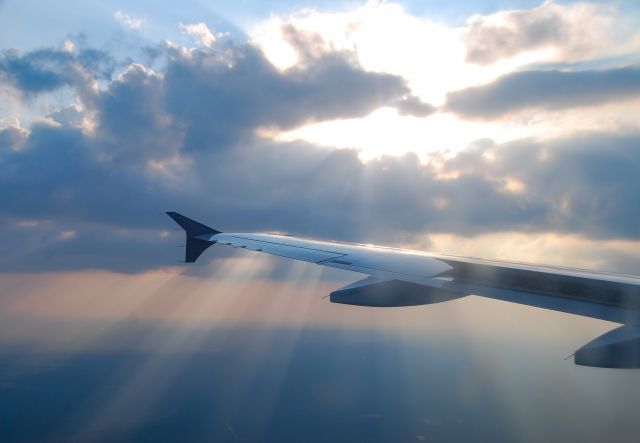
point(198, 236)
point(191, 227)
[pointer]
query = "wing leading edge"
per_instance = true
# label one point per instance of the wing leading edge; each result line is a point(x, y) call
point(399, 277)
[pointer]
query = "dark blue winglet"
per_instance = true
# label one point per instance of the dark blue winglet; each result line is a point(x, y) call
point(198, 236)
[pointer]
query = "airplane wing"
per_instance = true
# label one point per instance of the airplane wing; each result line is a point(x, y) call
point(399, 277)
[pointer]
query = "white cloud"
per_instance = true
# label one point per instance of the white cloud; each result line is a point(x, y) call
point(571, 32)
point(200, 33)
point(68, 46)
point(127, 20)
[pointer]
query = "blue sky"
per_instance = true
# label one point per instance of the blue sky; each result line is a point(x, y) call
point(498, 129)
point(23, 29)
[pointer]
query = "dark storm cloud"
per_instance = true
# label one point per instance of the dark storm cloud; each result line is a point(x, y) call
point(183, 139)
point(45, 70)
point(545, 90)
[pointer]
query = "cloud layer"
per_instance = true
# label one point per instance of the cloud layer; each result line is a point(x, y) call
point(83, 187)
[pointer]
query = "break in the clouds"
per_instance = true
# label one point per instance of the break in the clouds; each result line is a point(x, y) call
point(196, 131)
point(545, 90)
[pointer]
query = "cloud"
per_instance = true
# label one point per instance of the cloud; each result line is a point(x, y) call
point(45, 70)
point(146, 130)
point(414, 106)
point(69, 116)
point(586, 181)
point(575, 32)
point(55, 245)
point(127, 21)
point(307, 190)
point(200, 32)
point(12, 138)
point(545, 90)
point(131, 122)
point(185, 138)
point(221, 96)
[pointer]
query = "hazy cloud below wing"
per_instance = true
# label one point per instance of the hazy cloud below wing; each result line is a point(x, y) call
point(545, 90)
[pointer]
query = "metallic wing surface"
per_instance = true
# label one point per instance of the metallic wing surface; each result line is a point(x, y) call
point(398, 277)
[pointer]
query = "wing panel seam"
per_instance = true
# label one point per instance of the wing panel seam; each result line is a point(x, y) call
point(290, 246)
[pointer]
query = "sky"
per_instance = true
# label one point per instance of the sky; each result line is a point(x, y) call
point(499, 129)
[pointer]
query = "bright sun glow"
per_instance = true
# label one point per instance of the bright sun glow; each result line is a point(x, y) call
point(376, 31)
point(386, 132)
point(440, 68)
